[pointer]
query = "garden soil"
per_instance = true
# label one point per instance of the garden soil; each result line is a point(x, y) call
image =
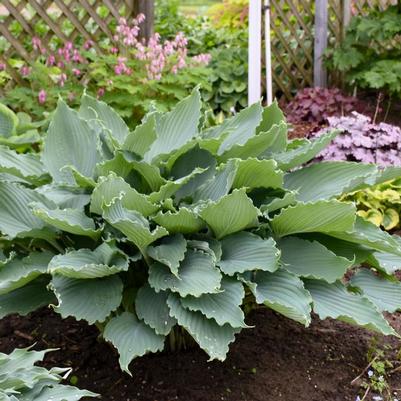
point(277, 360)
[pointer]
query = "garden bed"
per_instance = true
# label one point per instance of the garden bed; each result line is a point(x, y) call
point(277, 360)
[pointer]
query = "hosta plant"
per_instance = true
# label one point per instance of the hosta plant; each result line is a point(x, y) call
point(168, 228)
point(21, 380)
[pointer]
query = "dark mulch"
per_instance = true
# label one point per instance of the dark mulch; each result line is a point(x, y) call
point(277, 360)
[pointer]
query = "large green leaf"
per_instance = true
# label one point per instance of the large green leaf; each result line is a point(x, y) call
point(311, 259)
point(320, 216)
point(151, 307)
point(294, 157)
point(70, 141)
point(211, 337)
point(170, 252)
point(18, 272)
point(223, 307)
point(72, 221)
point(244, 251)
point(327, 179)
point(113, 186)
point(272, 115)
point(58, 393)
point(333, 300)
point(16, 217)
point(132, 224)
point(184, 221)
point(91, 300)
point(26, 299)
point(132, 338)
point(255, 173)
point(284, 293)
point(366, 233)
point(176, 128)
point(197, 275)
point(255, 145)
point(104, 261)
point(232, 213)
point(385, 261)
point(8, 121)
point(92, 108)
point(275, 203)
point(27, 166)
point(385, 294)
point(140, 140)
point(65, 197)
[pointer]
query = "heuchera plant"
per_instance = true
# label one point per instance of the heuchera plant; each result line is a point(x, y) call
point(315, 105)
point(165, 229)
point(361, 140)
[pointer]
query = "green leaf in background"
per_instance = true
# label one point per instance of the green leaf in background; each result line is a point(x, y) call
point(132, 338)
point(245, 251)
point(8, 121)
point(183, 221)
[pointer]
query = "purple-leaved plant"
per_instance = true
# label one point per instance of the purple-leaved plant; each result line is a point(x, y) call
point(363, 141)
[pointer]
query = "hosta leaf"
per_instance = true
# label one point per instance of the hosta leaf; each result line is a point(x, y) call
point(255, 145)
point(176, 128)
point(385, 294)
point(22, 140)
point(223, 307)
point(184, 221)
point(302, 154)
point(16, 217)
point(278, 203)
point(91, 300)
point(104, 261)
point(140, 140)
point(8, 121)
point(65, 197)
point(18, 272)
point(26, 299)
point(327, 179)
point(92, 108)
point(333, 300)
point(391, 219)
point(232, 213)
point(72, 221)
point(284, 293)
point(366, 233)
point(211, 337)
point(197, 275)
point(27, 166)
point(112, 186)
point(151, 307)
point(70, 142)
point(132, 224)
point(81, 180)
point(132, 338)
point(244, 251)
point(272, 115)
point(388, 262)
point(170, 252)
point(59, 393)
point(255, 173)
point(219, 185)
point(320, 216)
point(311, 259)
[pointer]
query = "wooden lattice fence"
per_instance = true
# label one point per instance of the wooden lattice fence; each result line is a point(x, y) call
point(66, 20)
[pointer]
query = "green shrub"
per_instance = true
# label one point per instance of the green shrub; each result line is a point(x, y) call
point(21, 380)
point(371, 51)
point(148, 232)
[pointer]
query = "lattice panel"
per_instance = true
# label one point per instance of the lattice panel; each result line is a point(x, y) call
point(363, 6)
point(55, 21)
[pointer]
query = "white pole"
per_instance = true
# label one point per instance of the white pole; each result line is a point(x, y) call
point(321, 29)
point(254, 51)
point(268, 55)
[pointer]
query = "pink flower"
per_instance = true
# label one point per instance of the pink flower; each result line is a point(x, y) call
point(25, 71)
point(71, 96)
point(62, 79)
point(42, 96)
point(114, 50)
point(88, 44)
point(100, 92)
point(203, 58)
point(76, 72)
point(76, 56)
point(51, 60)
point(2, 67)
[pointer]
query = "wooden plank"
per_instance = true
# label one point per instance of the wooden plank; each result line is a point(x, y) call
point(319, 70)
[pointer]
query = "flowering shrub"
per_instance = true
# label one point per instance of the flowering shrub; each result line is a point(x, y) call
point(363, 141)
point(315, 105)
point(128, 74)
point(151, 232)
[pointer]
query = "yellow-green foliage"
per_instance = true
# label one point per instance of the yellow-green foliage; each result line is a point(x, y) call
point(230, 13)
point(381, 205)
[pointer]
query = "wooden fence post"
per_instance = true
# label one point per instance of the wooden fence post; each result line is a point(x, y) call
point(146, 7)
point(346, 15)
point(321, 31)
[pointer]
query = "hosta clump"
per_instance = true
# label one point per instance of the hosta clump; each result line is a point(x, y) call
point(364, 141)
point(170, 225)
point(21, 380)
